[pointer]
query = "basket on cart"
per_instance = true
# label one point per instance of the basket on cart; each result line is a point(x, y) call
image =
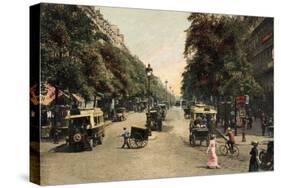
point(138, 137)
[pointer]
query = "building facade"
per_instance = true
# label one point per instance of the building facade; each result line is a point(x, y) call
point(260, 54)
point(110, 30)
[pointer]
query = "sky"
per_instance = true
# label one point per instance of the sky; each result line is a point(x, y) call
point(156, 37)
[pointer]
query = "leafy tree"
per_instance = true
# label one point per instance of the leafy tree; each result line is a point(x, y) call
point(78, 57)
point(216, 58)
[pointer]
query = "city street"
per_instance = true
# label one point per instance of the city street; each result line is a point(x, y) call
point(167, 155)
point(100, 73)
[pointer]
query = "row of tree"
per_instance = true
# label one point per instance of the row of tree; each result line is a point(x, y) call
point(217, 63)
point(77, 57)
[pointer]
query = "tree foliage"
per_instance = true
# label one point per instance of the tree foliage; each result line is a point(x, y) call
point(78, 57)
point(216, 59)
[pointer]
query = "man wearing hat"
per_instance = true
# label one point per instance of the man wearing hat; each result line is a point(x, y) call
point(231, 138)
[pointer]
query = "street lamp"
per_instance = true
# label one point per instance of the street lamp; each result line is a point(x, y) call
point(244, 118)
point(225, 103)
point(170, 102)
point(173, 99)
point(166, 82)
point(148, 71)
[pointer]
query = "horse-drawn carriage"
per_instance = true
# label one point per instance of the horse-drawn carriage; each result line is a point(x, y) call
point(120, 114)
point(155, 119)
point(163, 110)
point(198, 132)
point(199, 128)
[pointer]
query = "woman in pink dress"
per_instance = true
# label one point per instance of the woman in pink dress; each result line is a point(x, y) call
point(212, 156)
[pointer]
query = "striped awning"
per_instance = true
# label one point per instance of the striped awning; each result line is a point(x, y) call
point(46, 96)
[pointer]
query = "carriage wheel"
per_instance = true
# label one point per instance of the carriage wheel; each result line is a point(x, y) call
point(144, 143)
point(94, 142)
point(132, 143)
point(193, 140)
point(262, 156)
point(138, 140)
point(100, 140)
point(207, 140)
point(159, 127)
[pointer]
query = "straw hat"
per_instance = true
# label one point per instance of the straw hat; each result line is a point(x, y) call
point(229, 129)
point(255, 143)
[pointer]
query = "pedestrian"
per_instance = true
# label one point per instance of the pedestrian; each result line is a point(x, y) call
point(263, 123)
point(254, 160)
point(270, 127)
point(56, 136)
point(256, 114)
point(231, 138)
point(126, 136)
point(211, 152)
point(250, 122)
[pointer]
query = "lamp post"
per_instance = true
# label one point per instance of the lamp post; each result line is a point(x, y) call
point(170, 102)
point(225, 114)
point(148, 71)
point(166, 97)
point(172, 98)
point(244, 118)
point(235, 116)
point(56, 111)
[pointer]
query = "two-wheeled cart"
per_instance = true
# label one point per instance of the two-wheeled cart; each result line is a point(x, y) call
point(138, 137)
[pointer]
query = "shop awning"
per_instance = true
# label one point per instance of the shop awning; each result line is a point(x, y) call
point(46, 95)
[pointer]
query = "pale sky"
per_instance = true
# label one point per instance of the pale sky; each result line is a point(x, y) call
point(156, 37)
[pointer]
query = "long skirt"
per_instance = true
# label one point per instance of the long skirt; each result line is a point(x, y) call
point(253, 166)
point(212, 159)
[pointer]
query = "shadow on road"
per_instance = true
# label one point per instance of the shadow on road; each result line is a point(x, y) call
point(167, 128)
point(203, 166)
point(186, 143)
point(64, 148)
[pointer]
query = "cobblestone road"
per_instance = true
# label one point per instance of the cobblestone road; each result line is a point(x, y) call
point(168, 155)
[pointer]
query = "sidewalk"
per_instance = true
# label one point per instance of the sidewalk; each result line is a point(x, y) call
point(253, 134)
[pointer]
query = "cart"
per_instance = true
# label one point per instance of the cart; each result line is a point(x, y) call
point(199, 129)
point(199, 133)
point(138, 137)
point(120, 114)
point(155, 119)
